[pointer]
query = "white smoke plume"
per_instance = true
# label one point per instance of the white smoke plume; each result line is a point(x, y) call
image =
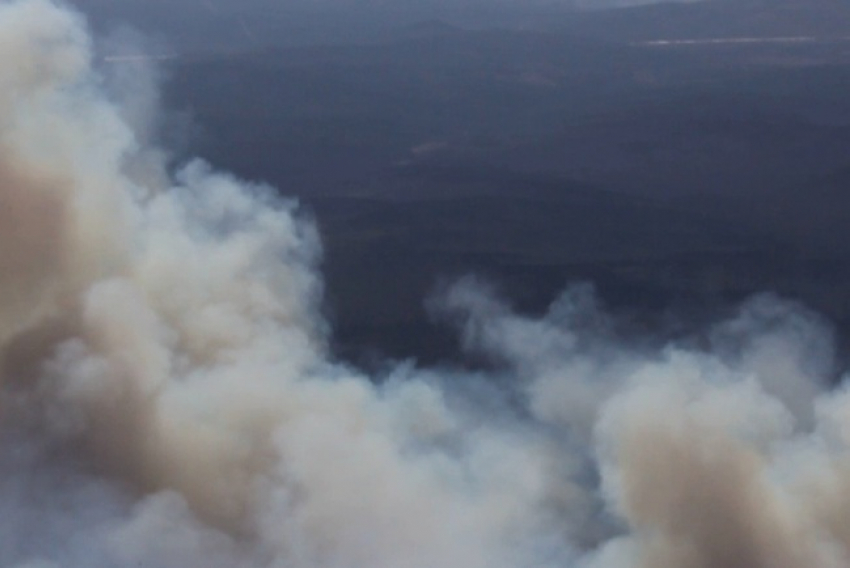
point(167, 399)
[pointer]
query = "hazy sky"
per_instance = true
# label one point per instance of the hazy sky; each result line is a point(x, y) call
point(196, 24)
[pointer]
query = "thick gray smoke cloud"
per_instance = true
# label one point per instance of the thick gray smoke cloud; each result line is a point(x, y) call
point(167, 400)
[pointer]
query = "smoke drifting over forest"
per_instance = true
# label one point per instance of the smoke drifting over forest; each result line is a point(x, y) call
point(168, 397)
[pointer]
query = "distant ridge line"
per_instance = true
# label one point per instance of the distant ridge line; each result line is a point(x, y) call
point(740, 40)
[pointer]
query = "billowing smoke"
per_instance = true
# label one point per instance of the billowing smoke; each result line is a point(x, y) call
point(167, 398)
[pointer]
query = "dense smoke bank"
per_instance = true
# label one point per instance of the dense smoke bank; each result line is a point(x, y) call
point(167, 399)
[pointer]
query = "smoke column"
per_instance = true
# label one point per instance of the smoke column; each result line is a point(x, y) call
point(167, 399)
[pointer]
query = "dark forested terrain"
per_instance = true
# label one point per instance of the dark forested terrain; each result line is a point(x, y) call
point(676, 178)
